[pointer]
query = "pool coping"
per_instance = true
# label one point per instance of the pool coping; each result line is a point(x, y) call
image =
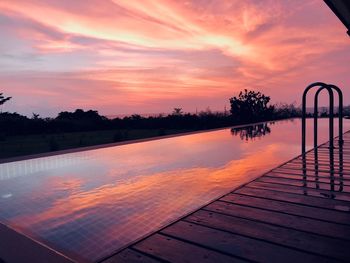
point(16, 246)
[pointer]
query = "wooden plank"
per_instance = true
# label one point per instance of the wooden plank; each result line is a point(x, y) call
point(336, 145)
point(301, 190)
point(288, 170)
point(335, 171)
point(285, 220)
point(309, 184)
point(174, 250)
point(313, 167)
point(321, 161)
point(325, 169)
point(325, 151)
point(308, 173)
point(240, 246)
point(291, 208)
point(331, 204)
point(130, 256)
point(321, 165)
point(300, 172)
point(309, 178)
point(324, 159)
point(291, 238)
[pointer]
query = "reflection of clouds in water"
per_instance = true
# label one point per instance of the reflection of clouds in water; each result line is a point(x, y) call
point(251, 132)
point(114, 214)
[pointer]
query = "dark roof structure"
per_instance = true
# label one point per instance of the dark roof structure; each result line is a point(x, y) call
point(341, 8)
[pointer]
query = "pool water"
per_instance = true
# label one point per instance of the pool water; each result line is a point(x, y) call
point(88, 205)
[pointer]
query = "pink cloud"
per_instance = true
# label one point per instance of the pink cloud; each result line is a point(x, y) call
point(150, 56)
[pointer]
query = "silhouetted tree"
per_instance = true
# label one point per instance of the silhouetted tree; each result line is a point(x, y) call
point(177, 111)
point(3, 99)
point(79, 120)
point(250, 106)
point(80, 114)
point(35, 116)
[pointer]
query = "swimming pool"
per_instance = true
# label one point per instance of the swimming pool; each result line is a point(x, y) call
point(89, 204)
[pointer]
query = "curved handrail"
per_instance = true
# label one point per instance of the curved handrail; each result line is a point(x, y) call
point(303, 124)
point(331, 115)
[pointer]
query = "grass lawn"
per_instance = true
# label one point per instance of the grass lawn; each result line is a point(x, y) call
point(12, 146)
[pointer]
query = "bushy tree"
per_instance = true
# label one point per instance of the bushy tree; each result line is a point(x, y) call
point(80, 114)
point(250, 106)
point(80, 120)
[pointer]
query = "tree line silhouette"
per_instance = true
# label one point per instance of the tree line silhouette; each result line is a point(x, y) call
point(249, 106)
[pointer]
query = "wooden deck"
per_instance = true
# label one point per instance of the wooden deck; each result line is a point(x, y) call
point(279, 217)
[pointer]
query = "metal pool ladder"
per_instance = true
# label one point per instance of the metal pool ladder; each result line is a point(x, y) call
point(329, 87)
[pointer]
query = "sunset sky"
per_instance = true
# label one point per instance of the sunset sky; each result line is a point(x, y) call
point(149, 56)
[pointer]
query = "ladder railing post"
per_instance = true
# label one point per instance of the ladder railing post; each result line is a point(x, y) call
point(303, 129)
point(340, 137)
point(331, 128)
point(321, 86)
